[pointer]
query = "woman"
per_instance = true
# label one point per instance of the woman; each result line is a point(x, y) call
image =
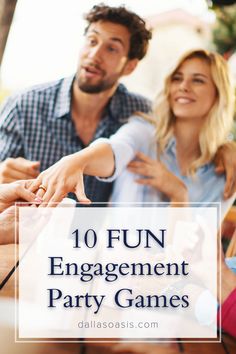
point(193, 116)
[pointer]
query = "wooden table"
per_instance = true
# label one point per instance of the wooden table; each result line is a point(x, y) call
point(7, 289)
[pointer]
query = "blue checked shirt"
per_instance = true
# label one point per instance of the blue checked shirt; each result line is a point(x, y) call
point(37, 125)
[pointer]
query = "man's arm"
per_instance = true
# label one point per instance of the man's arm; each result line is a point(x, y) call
point(12, 167)
point(225, 162)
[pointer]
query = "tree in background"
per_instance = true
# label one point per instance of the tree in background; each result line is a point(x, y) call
point(224, 31)
point(224, 34)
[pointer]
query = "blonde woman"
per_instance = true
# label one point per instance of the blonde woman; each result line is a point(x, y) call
point(173, 151)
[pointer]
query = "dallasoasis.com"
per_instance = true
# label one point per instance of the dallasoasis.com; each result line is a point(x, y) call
point(116, 324)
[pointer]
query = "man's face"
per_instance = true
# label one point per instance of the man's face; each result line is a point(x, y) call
point(104, 57)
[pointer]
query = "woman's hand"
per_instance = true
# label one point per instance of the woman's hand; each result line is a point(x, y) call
point(159, 177)
point(12, 192)
point(63, 177)
point(67, 174)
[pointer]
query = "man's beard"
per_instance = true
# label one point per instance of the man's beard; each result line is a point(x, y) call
point(101, 86)
point(95, 88)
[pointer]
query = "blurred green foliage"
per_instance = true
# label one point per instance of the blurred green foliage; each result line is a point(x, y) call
point(224, 31)
point(224, 35)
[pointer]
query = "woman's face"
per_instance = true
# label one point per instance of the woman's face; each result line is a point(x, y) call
point(192, 90)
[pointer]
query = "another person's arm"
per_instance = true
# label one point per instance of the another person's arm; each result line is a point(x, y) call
point(225, 162)
point(13, 169)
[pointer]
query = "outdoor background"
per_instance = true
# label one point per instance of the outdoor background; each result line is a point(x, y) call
point(46, 35)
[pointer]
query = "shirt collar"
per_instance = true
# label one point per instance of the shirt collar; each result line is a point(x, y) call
point(117, 103)
point(171, 148)
point(64, 97)
point(171, 145)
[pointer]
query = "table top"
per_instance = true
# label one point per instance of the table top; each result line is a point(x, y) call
point(8, 265)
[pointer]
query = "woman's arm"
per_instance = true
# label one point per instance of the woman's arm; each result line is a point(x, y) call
point(101, 158)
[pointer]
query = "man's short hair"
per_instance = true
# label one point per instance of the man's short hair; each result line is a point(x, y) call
point(139, 34)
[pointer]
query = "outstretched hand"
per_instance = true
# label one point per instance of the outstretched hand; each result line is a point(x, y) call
point(156, 175)
point(58, 180)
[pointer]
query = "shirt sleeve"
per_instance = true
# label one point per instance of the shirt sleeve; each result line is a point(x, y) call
point(10, 138)
point(126, 142)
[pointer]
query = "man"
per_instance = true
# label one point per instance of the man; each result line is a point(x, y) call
point(45, 123)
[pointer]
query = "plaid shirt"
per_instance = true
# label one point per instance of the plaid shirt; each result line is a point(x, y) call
point(37, 125)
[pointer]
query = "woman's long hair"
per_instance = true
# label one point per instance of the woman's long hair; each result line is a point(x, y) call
point(219, 122)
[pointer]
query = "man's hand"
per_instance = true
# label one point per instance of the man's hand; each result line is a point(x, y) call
point(225, 162)
point(13, 169)
point(156, 175)
point(12, 192)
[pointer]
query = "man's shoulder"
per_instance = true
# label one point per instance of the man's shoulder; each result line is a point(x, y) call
point(44, 88)
point(36, 96)
point(133, 101)
point(36, 92)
